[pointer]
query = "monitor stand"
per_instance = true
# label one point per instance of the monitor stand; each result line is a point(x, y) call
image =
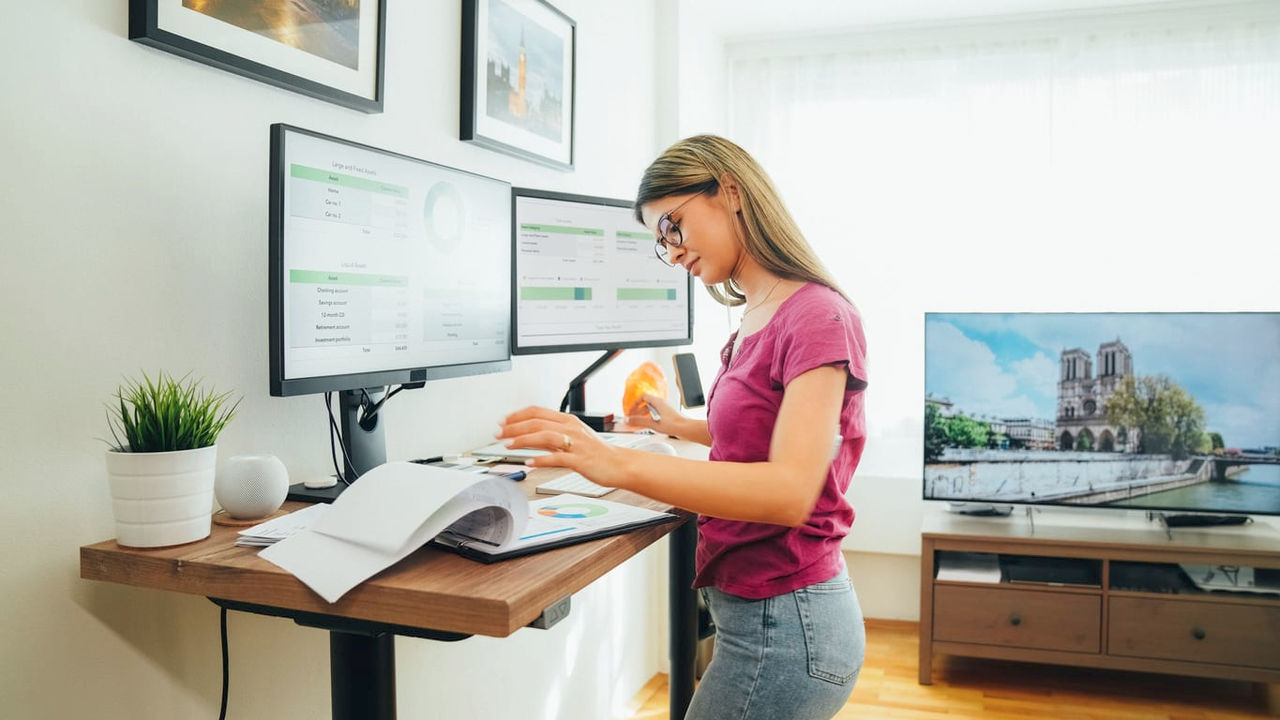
point(575, 400)
point(982, 509)
point(366, 446)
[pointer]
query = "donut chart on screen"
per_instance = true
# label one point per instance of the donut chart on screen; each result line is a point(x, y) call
point(569, 511)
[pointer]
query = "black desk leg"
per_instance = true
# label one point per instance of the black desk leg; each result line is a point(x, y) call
point(362, 656)
point(362, 675)
point(683, 607)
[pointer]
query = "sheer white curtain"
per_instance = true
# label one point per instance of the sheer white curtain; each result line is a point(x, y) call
point(1125, 162)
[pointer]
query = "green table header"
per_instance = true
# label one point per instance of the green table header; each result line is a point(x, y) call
point(303, 172)
point(561, 229)
point(320, 277)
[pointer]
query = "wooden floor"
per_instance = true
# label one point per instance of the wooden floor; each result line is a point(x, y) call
point(966, 688)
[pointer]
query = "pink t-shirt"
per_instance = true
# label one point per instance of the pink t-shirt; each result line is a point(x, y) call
point(814, 327)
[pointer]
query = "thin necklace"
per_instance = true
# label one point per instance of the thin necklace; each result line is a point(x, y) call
point(737, 341)
point(765, 300)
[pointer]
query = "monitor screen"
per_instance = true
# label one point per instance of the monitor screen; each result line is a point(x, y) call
point(385, 268)
point(1150, 411)
point(586, 278)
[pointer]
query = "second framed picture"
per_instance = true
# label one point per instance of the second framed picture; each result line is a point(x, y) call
point(518, 69)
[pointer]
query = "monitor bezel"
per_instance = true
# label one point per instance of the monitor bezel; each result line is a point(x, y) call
point(515, 348)
point(283, 387)
point(979, 501)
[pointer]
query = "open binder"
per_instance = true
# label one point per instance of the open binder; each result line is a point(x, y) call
point(555, 522)
point(398, 507)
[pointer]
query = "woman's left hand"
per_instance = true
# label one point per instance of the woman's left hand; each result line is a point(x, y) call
point(570, 442)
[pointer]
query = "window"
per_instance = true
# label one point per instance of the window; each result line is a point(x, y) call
point(1003, 158)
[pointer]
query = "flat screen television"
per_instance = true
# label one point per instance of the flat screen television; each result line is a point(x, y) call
point(385, 270)
point(1167, 412)
point(586, 277)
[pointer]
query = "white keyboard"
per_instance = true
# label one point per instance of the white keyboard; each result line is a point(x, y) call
point(499, 451)
point(572, 482)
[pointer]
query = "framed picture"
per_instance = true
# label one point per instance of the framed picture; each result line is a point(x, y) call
point(518, 60)
point(328, 49)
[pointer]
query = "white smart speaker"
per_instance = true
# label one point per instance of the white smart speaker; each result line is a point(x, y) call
point(251, 486)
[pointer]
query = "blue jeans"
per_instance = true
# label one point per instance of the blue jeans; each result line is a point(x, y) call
point(794, 656)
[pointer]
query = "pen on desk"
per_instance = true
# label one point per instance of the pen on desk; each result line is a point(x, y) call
point(517, 475)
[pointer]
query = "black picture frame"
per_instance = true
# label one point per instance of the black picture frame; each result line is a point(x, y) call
point(538, 128)
point(325, 72)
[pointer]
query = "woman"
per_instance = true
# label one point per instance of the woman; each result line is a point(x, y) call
point(770, 500)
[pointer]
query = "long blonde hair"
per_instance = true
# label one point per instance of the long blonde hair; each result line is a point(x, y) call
point(772, 238)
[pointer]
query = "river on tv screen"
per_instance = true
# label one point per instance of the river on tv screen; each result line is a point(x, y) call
point(1160, 411)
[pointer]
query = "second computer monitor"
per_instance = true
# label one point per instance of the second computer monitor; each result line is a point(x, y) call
point(586, 278)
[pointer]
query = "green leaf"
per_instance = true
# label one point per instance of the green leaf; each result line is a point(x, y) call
point(166, 414)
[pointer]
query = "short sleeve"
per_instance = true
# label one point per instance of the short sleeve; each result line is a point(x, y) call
point(824, 329)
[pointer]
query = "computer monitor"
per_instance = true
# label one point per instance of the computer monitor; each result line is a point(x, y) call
point(586, 277)
point(384, 270)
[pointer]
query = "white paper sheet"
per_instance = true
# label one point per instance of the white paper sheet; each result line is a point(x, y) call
point(969, 567)
point(277, 529)
point(388, 513)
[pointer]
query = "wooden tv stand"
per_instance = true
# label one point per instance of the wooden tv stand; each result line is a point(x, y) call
point(1128, 620)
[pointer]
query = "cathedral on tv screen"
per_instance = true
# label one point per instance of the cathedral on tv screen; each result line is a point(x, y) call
point(1082, 399)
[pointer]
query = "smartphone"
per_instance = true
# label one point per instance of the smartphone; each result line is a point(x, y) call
point(688, 381)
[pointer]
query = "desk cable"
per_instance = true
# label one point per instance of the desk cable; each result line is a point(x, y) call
point(222, 713)
point(369, 410)
point(338, 471)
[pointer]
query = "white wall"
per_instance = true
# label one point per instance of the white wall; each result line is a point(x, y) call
point(135, 223)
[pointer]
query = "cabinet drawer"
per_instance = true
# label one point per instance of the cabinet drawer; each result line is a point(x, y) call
point(1018, 618)
point(1206, 632)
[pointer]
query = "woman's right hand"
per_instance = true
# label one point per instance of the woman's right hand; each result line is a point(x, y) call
point(668, 417)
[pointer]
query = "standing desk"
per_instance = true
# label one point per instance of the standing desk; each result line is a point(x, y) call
point(431, 594)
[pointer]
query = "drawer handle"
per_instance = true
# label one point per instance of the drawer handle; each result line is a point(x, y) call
point(1015, 620)
point(1197, 633)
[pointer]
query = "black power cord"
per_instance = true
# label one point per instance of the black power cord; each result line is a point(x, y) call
point(341, 443)
point(369, 409)
point(226, 679)
point(366, 420)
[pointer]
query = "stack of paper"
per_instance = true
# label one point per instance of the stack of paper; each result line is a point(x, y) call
point(969, 567)
point(277, 529)
point(391, 511)
point(1228, 577)
point(396, 508)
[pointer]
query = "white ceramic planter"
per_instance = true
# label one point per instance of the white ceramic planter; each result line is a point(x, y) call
point(162, 498)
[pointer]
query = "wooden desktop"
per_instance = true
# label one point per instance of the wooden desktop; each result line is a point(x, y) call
point(431, 594)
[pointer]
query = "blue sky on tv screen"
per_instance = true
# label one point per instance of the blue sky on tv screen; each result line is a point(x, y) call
point(1007, 365)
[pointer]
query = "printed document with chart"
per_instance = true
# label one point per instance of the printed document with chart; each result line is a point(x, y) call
point(398, 507)
point(553, 522)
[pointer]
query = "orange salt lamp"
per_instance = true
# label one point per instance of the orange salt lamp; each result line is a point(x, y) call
point(646, 379)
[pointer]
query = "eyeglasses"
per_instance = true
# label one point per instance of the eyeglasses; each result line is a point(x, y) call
point(669, 234)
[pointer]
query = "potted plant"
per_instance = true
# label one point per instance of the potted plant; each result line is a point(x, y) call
point(161, 467)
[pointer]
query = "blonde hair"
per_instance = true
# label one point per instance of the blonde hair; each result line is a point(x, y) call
point(772, 238)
